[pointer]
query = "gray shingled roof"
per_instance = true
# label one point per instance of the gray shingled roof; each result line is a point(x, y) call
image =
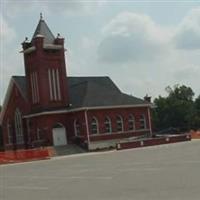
point(21, 83)
point(91, 92)
point(43, 29)
point(98, 91)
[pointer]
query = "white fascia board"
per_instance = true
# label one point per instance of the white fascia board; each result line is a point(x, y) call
point(29, 50)
point(118, 106)
point(85, 108)
point(52, 46)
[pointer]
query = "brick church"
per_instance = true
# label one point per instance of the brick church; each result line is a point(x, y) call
point(47, 107)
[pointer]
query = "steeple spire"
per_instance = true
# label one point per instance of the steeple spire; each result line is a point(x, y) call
point(41, 18)
point(43, 29)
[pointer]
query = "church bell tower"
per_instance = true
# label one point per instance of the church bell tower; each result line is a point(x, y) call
point(44, 59)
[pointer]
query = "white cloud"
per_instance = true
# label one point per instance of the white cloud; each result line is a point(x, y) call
point(128, 23)
point(15, 7)
point(188, 73)
point(187, 35)
point(142, 56)
point(137, 53)
point(6, 32)
point(7, 36)
point(131, 37)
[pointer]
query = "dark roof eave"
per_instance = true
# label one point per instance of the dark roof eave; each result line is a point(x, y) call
point(82, 109)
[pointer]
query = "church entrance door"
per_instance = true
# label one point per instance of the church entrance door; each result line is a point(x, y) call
point(59, 136)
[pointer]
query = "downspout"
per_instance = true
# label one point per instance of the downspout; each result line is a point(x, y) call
point(149, 117)
point(87, 128)
point(28, 133)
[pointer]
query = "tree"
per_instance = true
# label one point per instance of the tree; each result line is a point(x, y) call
point(197, 105)
point(175, 110)
point(196, 117)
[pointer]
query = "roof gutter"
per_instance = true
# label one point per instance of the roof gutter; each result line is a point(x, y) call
point(84, 108)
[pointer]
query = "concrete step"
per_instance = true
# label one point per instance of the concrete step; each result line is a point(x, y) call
point(68, 150)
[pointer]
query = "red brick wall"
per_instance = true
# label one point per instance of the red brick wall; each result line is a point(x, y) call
point(16, 101)
point(47, 122)
point(112, 113)
point(80, 116)
point(40, 61)
point(153, 141)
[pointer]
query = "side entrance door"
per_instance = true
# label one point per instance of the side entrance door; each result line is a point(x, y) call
point(59, 136)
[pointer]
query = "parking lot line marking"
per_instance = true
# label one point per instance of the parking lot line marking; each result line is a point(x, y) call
point(140, 169)
point(59, 178)
point(23, 188)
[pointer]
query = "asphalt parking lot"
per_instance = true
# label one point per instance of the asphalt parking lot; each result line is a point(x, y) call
point(167, 172)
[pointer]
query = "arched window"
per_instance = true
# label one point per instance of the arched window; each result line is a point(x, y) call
point(142, 122)
point(76, 127)
point(108, 125)
point(131, 122)
point(119, 121)
point(19, 127)
point(9, 131)
point(94, 126)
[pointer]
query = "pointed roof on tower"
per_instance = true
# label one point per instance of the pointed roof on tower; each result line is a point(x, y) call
point(43, 30)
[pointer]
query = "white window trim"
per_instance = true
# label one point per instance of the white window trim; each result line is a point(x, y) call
point(37, 89)
point(122, 123)
point(19, 127)
point(50, 84)
point(131, 118)
point(10, 137)
point(32, 88)
point(58, 84)
point(97, 125)
point(109, 122)
point(54, 84)
point(143, 119)
point(75, 127)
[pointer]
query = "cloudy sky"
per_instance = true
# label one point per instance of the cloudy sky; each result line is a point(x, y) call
point(143, 46)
